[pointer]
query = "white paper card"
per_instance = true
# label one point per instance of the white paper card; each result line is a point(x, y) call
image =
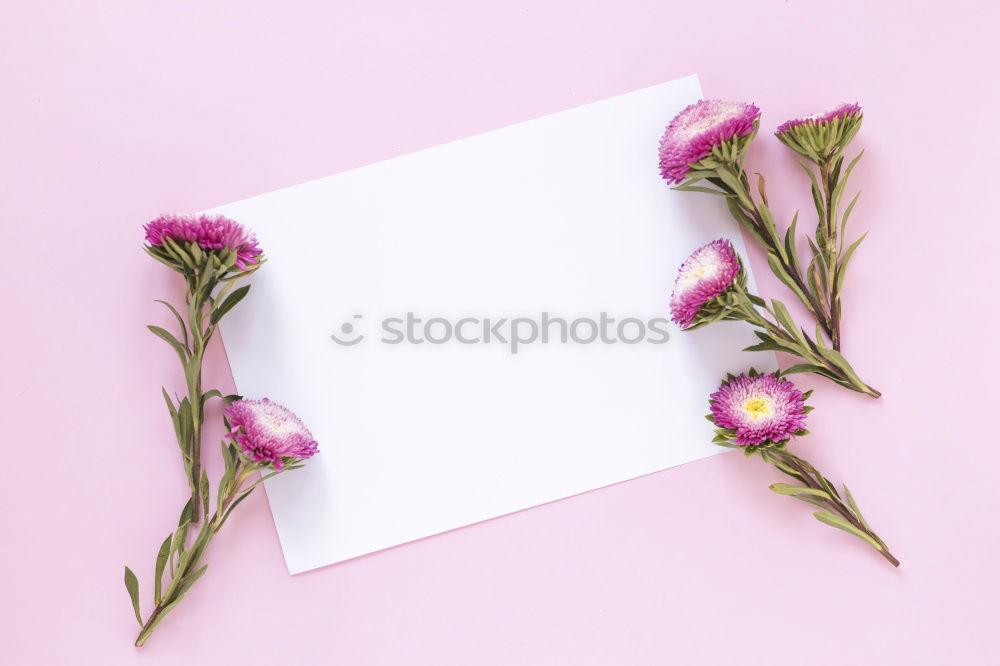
point(565, 215)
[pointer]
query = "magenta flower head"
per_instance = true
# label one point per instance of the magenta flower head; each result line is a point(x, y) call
point(822, 136)
point(268, 433)
point(705, 134)
point(758, 410)
point(702, 283)
point(191, 243)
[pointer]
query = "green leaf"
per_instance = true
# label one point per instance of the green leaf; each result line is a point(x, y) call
point(744, 219)
point(823, 481)
point(847, 213)
point(700, 174)
point(232, 506)
point(184, 424)
point(785, 319)
point(802, 367)
point(842, 269)
point(838, 359)
point(836, 521)
point(180, 536)
point(812, 500)
point(764, 346)
point(161, 563)
point(772, 230)
point(185, 514)
point(838, 191)
point(227, 457)
point(173, 416)
point(704, 190)
point(204, 492)
point(189, 581)
point(855, 510)
point(786, 279)
point(793, 255)
point(837, 165)
point(229, 304)
point(132, 585)
point(730, 180)
point(816, 193)
point(214, 393)
point(170, 340)
point(788, 489)
point(177, 316)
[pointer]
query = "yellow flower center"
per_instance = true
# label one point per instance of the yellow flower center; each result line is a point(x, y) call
point(757, 407)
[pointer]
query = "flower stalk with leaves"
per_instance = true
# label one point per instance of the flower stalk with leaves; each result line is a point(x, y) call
point(211, 253)
point(264, 437)
point(761, 413)
point(821, 139)
point(711, 286)
point(707, 142)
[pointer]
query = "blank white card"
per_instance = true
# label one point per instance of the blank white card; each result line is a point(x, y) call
point(427, 416)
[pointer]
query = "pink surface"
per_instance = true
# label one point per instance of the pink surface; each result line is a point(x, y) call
point(114, 112)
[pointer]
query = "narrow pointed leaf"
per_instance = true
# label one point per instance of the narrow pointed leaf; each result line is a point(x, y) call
point(177, 316)
point(132, 585)
point(170, 340)
point(161, 563)
point(836, 521)
point(204, 492)
point(788, 489)
point(190, 580)
point(229, 304)
point(855, 510)
point(842, 269)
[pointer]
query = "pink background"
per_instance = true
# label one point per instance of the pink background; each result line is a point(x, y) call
point(115, 112)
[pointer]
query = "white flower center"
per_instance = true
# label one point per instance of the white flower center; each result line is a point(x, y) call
point(702, 267)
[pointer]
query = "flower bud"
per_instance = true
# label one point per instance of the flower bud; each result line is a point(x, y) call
point(822, 136)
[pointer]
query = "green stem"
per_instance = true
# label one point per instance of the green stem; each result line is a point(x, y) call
point(191, 566)
point(194, 396)
point(747, 311)
point(832, 298)
point(762, 231)
point(812, 478)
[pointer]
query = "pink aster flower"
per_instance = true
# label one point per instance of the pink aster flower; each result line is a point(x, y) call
point(838, 112)
point(707, 273)
point(210, 232)
point(701, 128)
point(822, 136)
point(761, 409)
point(268, 432)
